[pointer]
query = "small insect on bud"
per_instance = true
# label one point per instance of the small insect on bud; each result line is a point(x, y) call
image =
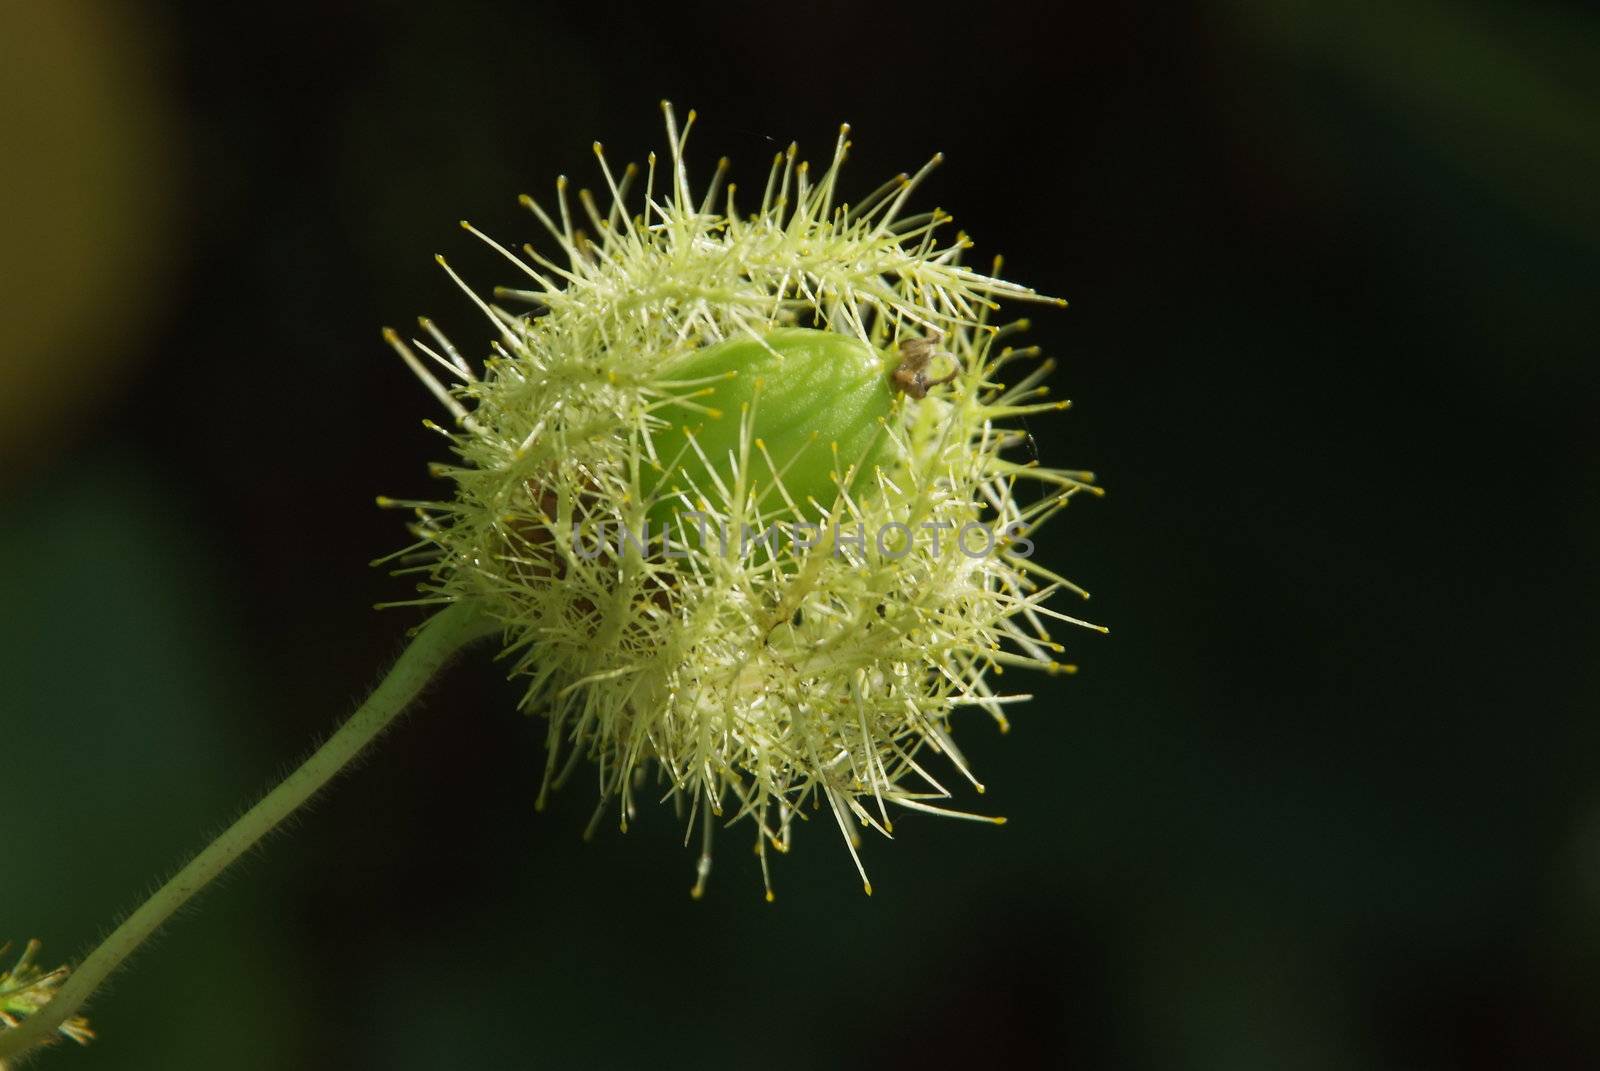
point(911, 375)
point(732, 535)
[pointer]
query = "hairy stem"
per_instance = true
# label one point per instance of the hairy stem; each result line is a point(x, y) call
point(440, 638)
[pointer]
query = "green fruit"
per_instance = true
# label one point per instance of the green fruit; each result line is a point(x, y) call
point(818, 402)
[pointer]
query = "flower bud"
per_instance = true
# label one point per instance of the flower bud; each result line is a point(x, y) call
point(735, 489)
point(811, 399)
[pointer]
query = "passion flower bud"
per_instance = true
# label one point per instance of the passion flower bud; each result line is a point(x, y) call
point(812, 397)
point(806, 398)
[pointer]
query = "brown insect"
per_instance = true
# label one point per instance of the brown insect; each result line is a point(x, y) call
point(916, 354)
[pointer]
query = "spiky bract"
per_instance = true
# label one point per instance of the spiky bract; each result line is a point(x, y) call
point(26, 987)
point(760, 681)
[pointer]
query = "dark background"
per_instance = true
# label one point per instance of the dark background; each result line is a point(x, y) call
point(1323, 799)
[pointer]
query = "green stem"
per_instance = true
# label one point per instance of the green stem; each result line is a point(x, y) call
point(440, 638)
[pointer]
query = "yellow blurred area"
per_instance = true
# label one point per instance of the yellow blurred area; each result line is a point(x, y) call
point(86, 184)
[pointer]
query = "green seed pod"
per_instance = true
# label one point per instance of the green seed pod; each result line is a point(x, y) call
point(808, 407)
